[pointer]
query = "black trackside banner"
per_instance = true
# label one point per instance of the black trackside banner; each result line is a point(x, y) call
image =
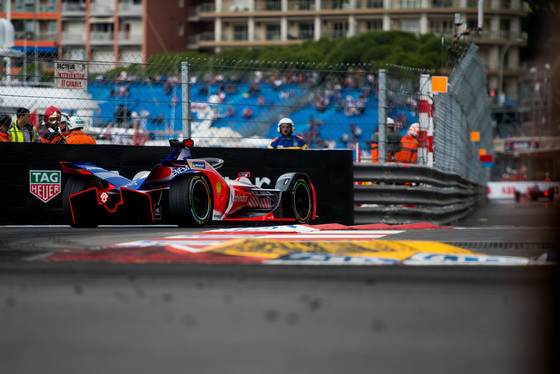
point(32, 181)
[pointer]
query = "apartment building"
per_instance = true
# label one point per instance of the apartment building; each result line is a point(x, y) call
point(220, 24)
point(121, 31)
point(125, 31)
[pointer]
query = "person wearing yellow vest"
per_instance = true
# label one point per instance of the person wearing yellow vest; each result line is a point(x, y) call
point(22, 131)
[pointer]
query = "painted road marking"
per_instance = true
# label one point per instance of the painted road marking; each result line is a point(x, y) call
point(291, 244)
point(210, 239)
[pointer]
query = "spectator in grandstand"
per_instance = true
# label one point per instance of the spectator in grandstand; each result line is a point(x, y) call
point(230, 111)
point(392, 146)
point(247, 113)
point(5, 122)
point(22, 131)
point(288, 140)
point(353, 135)
point(140, 134)
point(254, 89)
point(409, 146)
point(74, 133)
point(49, 131)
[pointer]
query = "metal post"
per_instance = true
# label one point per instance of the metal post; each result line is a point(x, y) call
point(502, 56)
point(382, 131)
point(186, 102)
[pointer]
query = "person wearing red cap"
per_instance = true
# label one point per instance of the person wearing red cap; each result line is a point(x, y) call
point(49, 132)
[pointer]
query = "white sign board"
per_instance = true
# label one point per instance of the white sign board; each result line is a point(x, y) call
point(70, 74)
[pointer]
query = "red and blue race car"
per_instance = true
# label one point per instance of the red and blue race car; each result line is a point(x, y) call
point(181, 190)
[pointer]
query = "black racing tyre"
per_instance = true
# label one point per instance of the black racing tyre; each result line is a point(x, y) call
point(301, 200)
point(79, 183)
point(190, 200)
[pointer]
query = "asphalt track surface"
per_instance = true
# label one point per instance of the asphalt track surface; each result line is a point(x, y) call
point(177, 318)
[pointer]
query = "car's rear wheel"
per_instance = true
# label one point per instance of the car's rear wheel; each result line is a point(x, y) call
point(301, 200)
point(76, 184)
point(190, 200)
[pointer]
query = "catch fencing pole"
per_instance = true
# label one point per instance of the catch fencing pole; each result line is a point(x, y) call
point(186, 102)
point(382, 133)
point(424, 115)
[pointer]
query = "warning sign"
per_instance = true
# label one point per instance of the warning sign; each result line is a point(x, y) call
point(70, 74)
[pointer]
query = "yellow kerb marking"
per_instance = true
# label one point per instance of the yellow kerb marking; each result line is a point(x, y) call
point(397, 250)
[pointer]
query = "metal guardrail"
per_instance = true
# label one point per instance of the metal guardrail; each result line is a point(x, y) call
point(403, 194)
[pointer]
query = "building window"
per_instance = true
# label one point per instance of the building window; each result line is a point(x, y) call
point(411, 4)
point(180, 29)
point(274, 5)
point(306, 30)
point(442, 27)
point(340, 29)
point(272, 32)
point(410, 26)
point(180, 3)
point(442, 3)
point(240, 32)
point(375, 25)
point(372, 4)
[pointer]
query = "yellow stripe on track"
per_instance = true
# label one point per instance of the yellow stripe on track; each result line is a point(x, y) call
point(272, 249)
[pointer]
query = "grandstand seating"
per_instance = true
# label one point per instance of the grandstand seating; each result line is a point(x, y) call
point(157, 100)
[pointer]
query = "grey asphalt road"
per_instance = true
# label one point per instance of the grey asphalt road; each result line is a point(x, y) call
point(93, 318)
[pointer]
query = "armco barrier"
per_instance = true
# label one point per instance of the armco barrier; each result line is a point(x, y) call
point(31, 183)
point(400, 194)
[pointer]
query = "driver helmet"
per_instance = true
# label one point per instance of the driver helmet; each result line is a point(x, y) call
point(52, 116)
point(76, 123)
point(414, 129)
point(288, 121)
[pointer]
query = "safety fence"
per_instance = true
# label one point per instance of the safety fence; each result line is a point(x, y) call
point(222, 103)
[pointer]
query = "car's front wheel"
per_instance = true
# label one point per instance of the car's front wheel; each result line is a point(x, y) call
point(190, 200)
point(301, 200)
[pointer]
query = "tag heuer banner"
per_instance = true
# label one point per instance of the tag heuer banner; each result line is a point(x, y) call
point(45, 184)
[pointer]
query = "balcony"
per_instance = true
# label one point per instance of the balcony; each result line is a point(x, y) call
point(73, 38)
point(102, 10)
point(369, 4)
point(406, 4)
point(101, 38)
point(445, 3)
point(335, 5)
point(268, 6)
point(301, 5)
point(130, 10)
point(32, 37)
point(127, 38)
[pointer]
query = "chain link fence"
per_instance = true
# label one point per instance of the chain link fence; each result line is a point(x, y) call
point(225, 103)
point(463, 110)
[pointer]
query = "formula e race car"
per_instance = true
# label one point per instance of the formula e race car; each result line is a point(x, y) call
point(535, 193)
point(181, 190)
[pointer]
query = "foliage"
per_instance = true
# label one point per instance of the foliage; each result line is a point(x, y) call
point(391, 47)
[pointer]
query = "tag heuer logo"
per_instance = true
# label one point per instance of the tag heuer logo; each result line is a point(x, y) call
point(45, 184)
